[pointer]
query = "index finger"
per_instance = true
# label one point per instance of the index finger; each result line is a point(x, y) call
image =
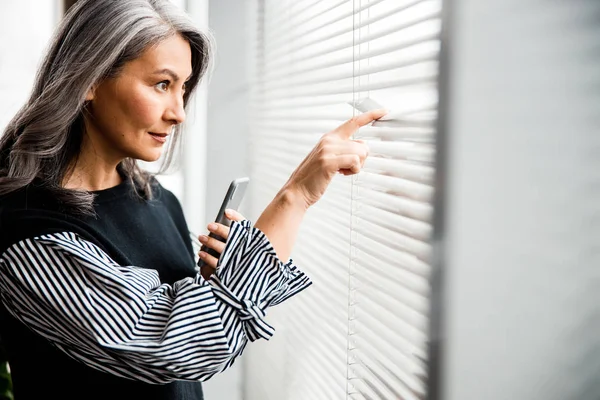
point(347, 129)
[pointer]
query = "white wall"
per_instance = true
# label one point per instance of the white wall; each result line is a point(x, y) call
point(523, 211)
point(21, 49)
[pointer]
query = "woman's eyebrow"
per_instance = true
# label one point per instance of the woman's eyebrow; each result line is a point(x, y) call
point(167, 71)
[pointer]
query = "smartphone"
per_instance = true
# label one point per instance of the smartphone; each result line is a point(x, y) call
point(233, 199)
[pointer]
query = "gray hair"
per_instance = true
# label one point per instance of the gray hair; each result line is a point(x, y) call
point(93, 42)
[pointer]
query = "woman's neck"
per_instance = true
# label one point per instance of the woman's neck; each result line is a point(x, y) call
point(92, 172)
point(98, 180)
point(95, 168)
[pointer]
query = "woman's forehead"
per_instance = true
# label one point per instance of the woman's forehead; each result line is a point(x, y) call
point(172, 56)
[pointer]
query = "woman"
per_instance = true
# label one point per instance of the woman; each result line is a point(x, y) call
point(99, 294)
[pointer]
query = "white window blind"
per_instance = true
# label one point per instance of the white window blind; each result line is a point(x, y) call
point(360, 332)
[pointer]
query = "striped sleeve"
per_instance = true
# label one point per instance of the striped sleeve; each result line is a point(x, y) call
point(122, 320)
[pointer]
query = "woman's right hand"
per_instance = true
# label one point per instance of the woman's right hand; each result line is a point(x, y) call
point(335, 153)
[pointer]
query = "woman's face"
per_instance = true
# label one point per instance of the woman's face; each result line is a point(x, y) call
point(133, 113)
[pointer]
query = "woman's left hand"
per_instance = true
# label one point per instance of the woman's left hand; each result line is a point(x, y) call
point(210, 262)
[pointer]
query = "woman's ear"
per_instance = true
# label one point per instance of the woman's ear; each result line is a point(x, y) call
point(90, 94)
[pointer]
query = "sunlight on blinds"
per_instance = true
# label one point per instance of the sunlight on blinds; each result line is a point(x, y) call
point(360, 332)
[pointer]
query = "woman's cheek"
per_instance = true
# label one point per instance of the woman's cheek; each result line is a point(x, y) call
point(146, 109)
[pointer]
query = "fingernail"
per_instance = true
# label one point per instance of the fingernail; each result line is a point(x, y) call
point(202, 254)
point(203, 238)
point(229, 212)
point(212, 227)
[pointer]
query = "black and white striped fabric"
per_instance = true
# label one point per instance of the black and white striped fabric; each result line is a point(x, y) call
point(122, 320)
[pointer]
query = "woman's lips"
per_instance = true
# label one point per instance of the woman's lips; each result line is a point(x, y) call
point(160, 137)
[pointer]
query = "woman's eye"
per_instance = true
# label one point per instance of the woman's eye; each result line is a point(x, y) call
point(164, 85)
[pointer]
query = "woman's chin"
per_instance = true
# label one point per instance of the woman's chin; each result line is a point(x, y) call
point(150, 156)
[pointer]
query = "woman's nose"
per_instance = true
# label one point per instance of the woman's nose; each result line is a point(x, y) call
point(175, 112)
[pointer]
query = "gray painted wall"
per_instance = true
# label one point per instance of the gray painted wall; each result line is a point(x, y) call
point(523, 204)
